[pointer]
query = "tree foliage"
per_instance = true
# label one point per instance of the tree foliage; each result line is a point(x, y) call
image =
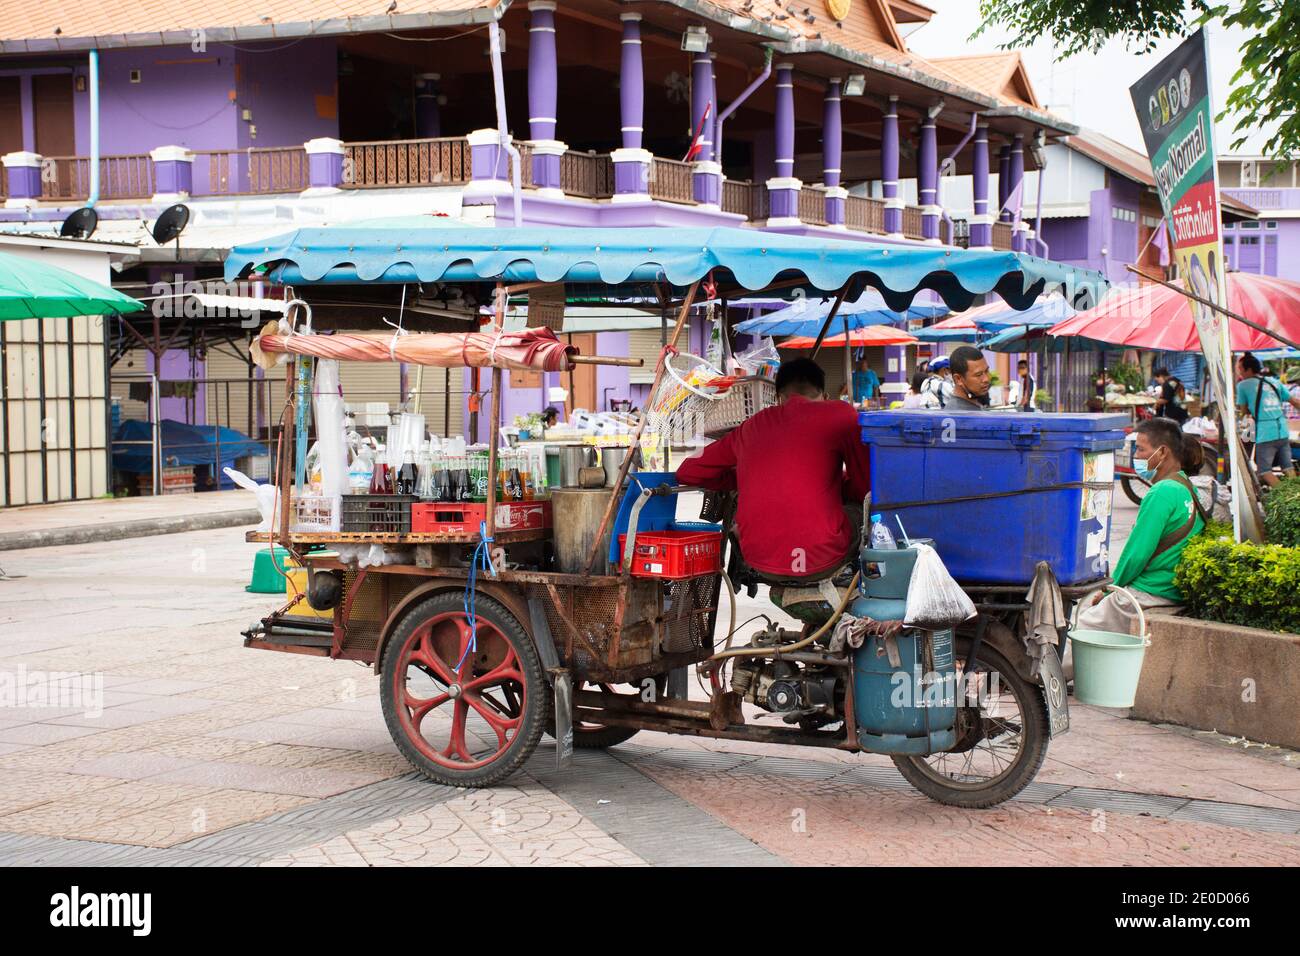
point(1265, 87)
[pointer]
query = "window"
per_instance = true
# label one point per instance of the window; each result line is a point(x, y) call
point(1270, 223)
point(1248, 225)
point(1123, 215)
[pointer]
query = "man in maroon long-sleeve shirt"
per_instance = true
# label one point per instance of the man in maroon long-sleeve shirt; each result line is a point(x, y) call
point(801, 471)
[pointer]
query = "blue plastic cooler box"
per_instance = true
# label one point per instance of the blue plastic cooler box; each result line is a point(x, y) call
point(929, 456)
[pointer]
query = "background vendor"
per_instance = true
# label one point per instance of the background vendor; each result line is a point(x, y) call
point(1166, 520)
point(971, 381)
point(801, 471)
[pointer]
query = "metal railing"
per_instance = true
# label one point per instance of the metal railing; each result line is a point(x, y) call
point(256, 171)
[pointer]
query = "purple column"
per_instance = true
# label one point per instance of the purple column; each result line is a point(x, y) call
point(632, 164)
point(981, 223)
point(783, 189)
point(707, 177)
point(832, 153)
point(889, 170)
point(489, 168)
point(1016, 182)
point(927, 174)
point(173, 173)
point(428, 106)
point(1004, 180)
point(24, 172)
point(631, 94)
point(542, 86)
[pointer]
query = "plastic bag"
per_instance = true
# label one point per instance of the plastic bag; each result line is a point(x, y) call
point(761, 359)
point(935, 602)
point(267, 496)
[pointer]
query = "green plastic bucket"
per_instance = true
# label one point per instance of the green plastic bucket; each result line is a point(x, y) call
point(1106, 667)
point(266, 579)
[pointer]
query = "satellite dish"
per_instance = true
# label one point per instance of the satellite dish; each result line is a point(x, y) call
point(81, 224)
point(171, 223)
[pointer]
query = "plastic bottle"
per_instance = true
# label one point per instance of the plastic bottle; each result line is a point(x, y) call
point(361, 471)
point(882, 539)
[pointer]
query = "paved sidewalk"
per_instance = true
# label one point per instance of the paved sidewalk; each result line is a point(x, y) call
point(201, 752)
point(109, 519)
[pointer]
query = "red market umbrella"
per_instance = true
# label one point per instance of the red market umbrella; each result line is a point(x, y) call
point(536, 348)
point(1152, 316)
point(869, 335)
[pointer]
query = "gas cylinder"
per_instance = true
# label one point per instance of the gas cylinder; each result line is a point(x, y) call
point(909, 707)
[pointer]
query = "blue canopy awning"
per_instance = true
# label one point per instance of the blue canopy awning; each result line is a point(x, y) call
point(426, 250)
point(806, 317)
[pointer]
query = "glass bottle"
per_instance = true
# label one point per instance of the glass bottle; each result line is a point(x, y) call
point(407, 475)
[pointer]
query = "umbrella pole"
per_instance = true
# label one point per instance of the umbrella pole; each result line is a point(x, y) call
point(848, 365)
point(1216, 307)
point(635, 441)
point(830, 317)
point(494, 426)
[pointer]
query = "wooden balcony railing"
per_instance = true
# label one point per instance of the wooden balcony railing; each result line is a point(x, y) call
point(865, 214)
point(418, 162)
point(812, 206)
point(1002, 235)
point(120, 177)
point(587, 175)
point(243, 172)
point(670, 180)
point(445, 161)
point(745, 198)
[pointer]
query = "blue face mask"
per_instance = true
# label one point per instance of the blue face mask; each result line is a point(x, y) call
point(1143, 468)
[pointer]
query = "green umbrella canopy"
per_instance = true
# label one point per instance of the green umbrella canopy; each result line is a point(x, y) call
point(34, 290)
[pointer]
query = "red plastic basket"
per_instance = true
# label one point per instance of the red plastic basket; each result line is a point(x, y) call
point(674, 554)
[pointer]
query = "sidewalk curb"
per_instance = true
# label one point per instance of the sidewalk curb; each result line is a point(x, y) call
point(114, 531)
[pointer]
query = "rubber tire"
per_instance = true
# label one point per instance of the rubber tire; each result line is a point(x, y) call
point(1034, 752)
point(602, 737)
point(536, 691)
point(1129, 484)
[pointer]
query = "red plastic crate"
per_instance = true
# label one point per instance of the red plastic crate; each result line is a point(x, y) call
point(674, 554)
point(454, 517)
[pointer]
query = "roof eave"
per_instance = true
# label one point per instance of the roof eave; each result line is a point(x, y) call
point(334, 26)
point(1049, 122)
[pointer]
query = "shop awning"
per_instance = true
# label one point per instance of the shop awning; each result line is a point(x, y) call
point(748, 258)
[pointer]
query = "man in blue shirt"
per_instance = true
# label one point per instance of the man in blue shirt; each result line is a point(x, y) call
point(866, 383)
point(1265, 398)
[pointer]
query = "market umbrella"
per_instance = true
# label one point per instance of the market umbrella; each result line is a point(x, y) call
point(528, 349)
point(35, 290)
point(955, 328)
point(806, 317)
point(871, 335)
point(1153, 316)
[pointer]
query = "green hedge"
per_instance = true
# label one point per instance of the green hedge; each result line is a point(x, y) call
point(1282, 513)
point(1246, 584)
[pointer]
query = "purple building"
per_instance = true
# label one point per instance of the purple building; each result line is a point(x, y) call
point(1269, 245)
point(647, 113)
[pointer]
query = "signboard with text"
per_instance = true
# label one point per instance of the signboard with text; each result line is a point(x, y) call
point(1174, 109)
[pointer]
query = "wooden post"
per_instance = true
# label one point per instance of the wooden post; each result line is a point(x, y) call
point(493, 438)
point(635, 442)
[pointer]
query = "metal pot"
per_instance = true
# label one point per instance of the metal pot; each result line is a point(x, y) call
point(611, 459)
point(574, 458)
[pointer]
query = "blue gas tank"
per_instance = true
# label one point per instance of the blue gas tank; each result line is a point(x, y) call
point(910, 708)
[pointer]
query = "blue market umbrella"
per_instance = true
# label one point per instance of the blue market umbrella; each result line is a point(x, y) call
point(805, 317)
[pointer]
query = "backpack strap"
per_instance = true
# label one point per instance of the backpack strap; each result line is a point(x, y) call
point(1179, 534)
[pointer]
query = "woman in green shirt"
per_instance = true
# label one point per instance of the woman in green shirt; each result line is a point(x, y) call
point(1167, 519)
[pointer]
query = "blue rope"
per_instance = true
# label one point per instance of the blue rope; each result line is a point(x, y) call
point(482, 557)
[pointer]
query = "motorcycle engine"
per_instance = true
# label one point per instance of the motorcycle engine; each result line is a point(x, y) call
point(781, 686)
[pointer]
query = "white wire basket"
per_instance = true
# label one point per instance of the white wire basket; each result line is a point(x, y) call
point(727, 410)
point(316, 513)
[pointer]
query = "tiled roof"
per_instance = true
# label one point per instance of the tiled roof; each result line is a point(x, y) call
point(869, 28)
point(1002, 75)
point(1131, 163)
point(67, 20)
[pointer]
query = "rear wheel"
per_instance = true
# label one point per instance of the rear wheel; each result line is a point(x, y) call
point(1002, 735)
point(465, 707)
point(1134, 488)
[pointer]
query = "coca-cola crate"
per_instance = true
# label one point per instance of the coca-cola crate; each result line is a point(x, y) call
point(176, 480)
point(674, 554)
point(456, 517)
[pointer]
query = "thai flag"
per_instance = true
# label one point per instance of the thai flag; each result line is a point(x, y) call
point(696, 144)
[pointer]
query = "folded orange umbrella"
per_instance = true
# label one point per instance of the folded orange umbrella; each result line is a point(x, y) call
point(867, 335)
point(535, 348)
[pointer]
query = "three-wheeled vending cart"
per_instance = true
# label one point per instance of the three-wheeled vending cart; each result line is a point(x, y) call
point(489, 630)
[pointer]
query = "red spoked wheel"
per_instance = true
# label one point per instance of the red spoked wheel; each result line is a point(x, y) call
point(466, 716)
